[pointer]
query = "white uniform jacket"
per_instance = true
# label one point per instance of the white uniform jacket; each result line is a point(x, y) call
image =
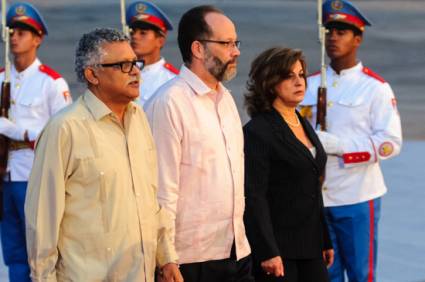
point(36, 94)
point(362, 112)
point(152, 77)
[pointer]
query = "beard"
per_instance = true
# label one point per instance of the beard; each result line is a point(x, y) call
point(220, 70)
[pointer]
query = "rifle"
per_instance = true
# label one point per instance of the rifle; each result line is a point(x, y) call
point(321, 91)
point(4, 102)
point(124, 25)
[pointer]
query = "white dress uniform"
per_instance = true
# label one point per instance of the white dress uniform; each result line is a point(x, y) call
point(36, 94)
point(152, 77)
point(362, 114)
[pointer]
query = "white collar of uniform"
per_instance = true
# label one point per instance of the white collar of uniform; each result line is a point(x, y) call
point(154, 66)
point(198, 86)
point(356, 68)
point(28, 71)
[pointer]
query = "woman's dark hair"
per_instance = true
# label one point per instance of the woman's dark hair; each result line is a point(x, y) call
point(193, 27)
point(267, 70)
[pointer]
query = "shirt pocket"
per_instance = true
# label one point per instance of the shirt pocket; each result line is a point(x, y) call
point(108, 255)
point(30, 107)
point(94, 172)
point(193, 152)
point(351, 101)
point(353, 108)
point(98, 178)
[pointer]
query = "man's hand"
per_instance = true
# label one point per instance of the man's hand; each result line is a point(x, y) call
point(273, 266)
point(328, 257)
point(170, 273)
point(11, 130)
point(331, 143)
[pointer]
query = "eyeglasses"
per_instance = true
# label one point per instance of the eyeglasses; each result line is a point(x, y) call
point(126, 66)
point(228, 44)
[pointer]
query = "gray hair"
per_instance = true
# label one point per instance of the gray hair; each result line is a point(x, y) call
point(90, 48)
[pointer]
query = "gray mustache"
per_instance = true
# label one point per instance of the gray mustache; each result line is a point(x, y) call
point(136, 79)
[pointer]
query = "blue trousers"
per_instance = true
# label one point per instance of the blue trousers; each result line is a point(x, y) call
point(353, 230)
point(13, 231)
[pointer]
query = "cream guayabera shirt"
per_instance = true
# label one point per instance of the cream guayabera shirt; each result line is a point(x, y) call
point(91, 207)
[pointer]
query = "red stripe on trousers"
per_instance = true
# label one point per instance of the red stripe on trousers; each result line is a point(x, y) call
point(371, 240)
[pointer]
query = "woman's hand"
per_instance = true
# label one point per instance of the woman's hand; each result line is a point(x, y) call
point(273, 266)
point(328, 257)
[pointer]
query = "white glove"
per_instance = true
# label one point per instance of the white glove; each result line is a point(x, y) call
point(331, 143)
point(11, 130)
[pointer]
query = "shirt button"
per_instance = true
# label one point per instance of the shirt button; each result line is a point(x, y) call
point(102, 173)
point(137, 194)
point(108, 249)
point(325, 188)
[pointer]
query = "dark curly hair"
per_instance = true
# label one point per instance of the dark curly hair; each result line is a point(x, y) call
point(267, 70)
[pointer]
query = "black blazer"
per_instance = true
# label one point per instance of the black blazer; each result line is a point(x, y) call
point(284, 206)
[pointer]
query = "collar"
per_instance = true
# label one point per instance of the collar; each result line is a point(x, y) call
point(356, 68)
point(28, 71)
point(197, 85)
point(99, 109)
point(96, 107)
point(154, 66)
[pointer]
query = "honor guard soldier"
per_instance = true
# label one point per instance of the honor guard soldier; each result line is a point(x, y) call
point(37, 92)
point(149, 26)
point(363, 128)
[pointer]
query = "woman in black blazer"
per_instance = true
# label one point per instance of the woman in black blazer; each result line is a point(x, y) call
point(284, 163)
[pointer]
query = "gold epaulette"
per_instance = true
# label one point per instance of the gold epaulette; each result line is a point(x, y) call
point(306, 112)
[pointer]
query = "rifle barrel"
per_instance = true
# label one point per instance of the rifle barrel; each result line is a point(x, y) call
point(125, 28)
point(321, 91)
